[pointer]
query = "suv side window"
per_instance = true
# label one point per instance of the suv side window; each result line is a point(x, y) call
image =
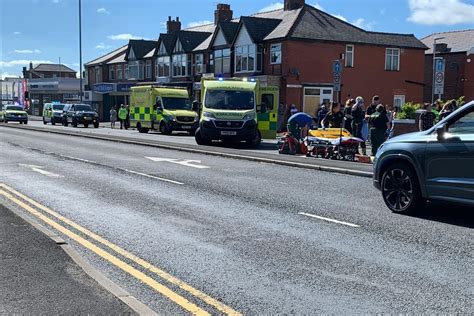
point(464, 125)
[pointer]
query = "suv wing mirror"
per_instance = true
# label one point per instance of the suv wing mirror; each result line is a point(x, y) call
point(441, 132)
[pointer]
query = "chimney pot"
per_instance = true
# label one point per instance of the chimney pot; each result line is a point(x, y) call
point(293, 4)
point(222, 13)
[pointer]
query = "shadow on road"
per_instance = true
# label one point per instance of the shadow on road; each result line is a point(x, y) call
point(448, 214)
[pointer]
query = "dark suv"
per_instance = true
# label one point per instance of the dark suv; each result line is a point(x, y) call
point(82, 114)
point(437, 164)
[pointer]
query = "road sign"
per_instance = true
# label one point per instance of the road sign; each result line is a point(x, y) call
point(440, 66)
point(336, 67)
point(336, 72)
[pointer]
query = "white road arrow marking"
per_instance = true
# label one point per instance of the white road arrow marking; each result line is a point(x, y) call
point(40, 170)
point(187, 163)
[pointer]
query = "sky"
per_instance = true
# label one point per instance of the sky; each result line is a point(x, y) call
point(47, 30)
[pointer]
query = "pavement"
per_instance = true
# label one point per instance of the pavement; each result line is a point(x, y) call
point(186, 232)
point(38, 277)
point(267, 152)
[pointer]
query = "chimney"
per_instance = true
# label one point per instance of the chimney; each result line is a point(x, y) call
point(293, 4)
point(173, 26)
point(223, 13)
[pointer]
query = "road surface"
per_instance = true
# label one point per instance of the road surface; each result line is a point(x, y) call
point(188, 233)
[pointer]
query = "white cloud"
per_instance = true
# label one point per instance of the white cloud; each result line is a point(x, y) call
point(123, 37)
point(4, 75)
point(363, 24)
point(22, 62)
point(102, 46)
point(103, 11)
point(198, 23)
point(17, 33)
point(27, 51)
point(272, 6)
point(440, 12)
point(340, 17)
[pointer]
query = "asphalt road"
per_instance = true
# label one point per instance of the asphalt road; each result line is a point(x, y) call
point(234, 230)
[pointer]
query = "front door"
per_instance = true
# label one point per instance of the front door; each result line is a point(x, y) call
point(314, 97)
point(268, 121)
point(449, 163)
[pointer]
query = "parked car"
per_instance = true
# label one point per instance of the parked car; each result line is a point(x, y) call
point(80, 114)
point(13, 113)
point(52, 113)
point(437, 164)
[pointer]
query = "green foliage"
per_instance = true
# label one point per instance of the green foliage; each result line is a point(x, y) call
point(409, 111)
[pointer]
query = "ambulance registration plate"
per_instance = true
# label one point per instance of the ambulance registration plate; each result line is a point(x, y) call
point(186, 127)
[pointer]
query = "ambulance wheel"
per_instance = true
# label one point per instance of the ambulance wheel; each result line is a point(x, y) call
point(200, 140)
point(86, 125)
point(25, 122)
point(96, 125)
point(44, 121)
point(5, 121)
point(53, 122)
point(192, 132)
point(164, 129)
point(255, 142)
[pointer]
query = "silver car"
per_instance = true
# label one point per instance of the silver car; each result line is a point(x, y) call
point(437, 164)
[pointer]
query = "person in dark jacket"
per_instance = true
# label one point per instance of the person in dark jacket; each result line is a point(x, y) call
point(348, 115)
point(380, 124)
point(335, 117)
point(358, 117)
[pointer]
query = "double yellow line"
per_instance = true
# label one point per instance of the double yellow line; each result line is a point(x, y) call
point(29, 205)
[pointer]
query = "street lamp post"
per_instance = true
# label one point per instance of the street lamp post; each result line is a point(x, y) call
point(80, 51)
point(434, 68)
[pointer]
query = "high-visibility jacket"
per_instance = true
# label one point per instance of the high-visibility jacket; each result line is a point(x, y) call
point(122, 114)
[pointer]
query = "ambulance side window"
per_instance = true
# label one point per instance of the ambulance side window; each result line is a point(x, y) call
point(267, 100)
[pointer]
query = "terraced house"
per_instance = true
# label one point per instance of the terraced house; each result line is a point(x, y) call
point(293, 48)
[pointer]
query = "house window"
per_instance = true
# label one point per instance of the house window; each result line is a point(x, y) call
point(126, 71)
point(119, 72)
point(222, 61)
point(163, 66)
point(246, 58)
point(398, 101)
point(199, 64)
point(392, 59)
point(136, 70)
point(211, 62)
point(111, 73)
point(275, 54)
point(148, 69)
point(349, 56)
point(98, 77)
point(180, 65)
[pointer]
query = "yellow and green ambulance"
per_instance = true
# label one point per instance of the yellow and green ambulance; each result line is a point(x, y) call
point(165, 109)
point(13, 113)
point(53, 113)
point(237, 109)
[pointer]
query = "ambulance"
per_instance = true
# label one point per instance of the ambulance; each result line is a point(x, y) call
point(236, 110)
point(166, 109)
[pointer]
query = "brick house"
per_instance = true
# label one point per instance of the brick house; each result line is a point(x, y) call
point(293, 48)
point(457, 48)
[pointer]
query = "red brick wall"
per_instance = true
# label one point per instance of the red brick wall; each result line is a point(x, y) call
point(367, 78)
point(457, 71)
point(468, 79)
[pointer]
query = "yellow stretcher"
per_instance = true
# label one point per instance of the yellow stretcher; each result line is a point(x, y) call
point(330, 133)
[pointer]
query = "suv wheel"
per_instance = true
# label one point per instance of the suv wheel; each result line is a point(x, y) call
point(400, 189)
point(74, 123)
point(53, 122)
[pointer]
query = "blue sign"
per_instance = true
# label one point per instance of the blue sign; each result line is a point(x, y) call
point(440, 65)
point(124, 87)
point(104, 88)
point(337, 67)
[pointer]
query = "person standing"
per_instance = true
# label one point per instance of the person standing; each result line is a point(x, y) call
point(427, 118)
point(127, 118)
point(113, 117)
point(335, 117)
point(358, 118)
point(380, 125)
point(122, 115)
point(373, 106)
point(348, 115)
point(448, 108)
point(320, 115)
